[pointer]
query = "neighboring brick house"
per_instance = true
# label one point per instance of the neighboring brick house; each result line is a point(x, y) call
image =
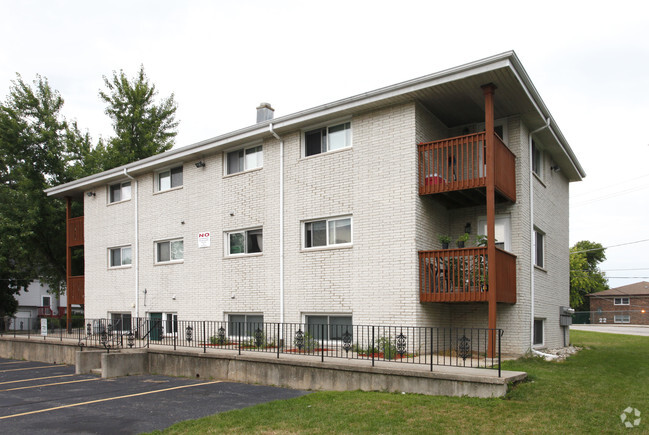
point(332, 215)
point(626, 304)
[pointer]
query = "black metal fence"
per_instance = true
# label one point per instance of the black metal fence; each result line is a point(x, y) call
point(461, 347)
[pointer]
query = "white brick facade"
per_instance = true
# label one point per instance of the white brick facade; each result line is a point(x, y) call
point(375, 279)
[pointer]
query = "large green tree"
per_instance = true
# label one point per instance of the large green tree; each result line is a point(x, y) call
point(39, 149)
point(34, 155)
point(142, 126)
point(585, 275)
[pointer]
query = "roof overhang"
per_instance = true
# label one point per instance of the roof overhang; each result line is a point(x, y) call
point(453, 95)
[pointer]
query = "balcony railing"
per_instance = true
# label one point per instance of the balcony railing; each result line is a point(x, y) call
point(462, 275)
point(76, 288)
point(48, 312)
point(75, 231)
point(459, 163)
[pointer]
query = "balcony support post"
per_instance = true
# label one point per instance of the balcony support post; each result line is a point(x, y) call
point(68, 262)
point(489, 90)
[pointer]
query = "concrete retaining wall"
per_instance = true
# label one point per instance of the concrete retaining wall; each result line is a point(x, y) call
point(306, 374)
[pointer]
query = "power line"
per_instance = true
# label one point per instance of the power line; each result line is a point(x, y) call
point(612, 246)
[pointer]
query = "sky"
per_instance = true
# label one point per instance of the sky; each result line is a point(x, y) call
point(220, 59)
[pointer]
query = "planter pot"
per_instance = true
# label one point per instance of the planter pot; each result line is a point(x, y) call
point(460, 244)
point(444, 245)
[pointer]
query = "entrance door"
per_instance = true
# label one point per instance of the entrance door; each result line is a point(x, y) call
point(155, 326)
point(503, 231)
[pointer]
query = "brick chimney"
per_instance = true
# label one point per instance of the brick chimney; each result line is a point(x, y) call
point(264, 112)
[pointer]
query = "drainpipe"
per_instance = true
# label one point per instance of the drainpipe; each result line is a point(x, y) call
point(136, 246)
point(532, 240)
point(281, 222)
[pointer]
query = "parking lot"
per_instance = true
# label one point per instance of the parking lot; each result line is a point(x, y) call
point(47, 398)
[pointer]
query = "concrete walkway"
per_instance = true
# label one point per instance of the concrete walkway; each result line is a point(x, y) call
point(614, 329)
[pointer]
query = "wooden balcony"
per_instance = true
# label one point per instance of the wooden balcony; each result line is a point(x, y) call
point(75, 231)
point(456, 169)
point(76, 289)
point(48, 312)
point(462, 275)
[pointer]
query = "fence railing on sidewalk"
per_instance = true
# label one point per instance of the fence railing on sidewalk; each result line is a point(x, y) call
point(431, 346)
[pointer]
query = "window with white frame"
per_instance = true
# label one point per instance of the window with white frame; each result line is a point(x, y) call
point(168, 251)
point(538, 331)
point(537, 160)
point(245, 159)
point(622, 318)
point(329, 138)
point(170, 178)
point(621, 301)
point(245, 242)
point(120, 256)
point(539, 248)
point(119, 192)
point(46, 301)
point(328, 327)
point(328, 232)
point(170, 324)
point(121, 321)
point(245, 325)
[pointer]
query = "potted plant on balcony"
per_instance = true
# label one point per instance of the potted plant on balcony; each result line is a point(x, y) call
point(462, 240)
point(444, 240)
point(481, 240)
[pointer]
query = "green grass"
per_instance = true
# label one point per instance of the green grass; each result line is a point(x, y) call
point(584, 394)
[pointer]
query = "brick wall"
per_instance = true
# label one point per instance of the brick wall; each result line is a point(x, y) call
point(609, 310)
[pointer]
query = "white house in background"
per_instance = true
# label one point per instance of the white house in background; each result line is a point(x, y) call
point(36, 303)
point(332, 215)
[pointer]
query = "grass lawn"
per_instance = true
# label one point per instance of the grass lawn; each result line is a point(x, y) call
point(585, 394)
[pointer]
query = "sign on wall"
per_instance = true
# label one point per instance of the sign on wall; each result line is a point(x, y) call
point(43, 327)
point(204, 239)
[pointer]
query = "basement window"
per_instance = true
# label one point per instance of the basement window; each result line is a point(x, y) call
point(538, 332)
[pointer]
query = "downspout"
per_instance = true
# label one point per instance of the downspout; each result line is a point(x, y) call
point(136, 247)
point(533, 241)
point(281, 222)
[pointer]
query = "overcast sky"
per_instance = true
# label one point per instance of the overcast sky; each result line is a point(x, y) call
point(222, 58)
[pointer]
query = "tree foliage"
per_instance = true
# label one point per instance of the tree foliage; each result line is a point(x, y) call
point(142, 127)
point(39, 149)
point(585, 275)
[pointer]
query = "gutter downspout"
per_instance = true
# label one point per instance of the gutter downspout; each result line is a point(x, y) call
point(281, 222)
point(533, 242)
point(136, 247)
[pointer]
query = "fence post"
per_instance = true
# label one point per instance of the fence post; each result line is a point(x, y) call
point(322, 342)
point(278, 340)
point(432, 347)
point(373, 346)
point(239, 336)
point(175, 337)
point(60, 329)
point(148, 334)
point(204, 339)
point(499, 335)
point(14, 322)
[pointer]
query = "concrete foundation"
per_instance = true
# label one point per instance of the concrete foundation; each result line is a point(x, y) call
point(290, 371)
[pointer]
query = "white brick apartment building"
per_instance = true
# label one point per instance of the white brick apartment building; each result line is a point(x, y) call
point(333, 215)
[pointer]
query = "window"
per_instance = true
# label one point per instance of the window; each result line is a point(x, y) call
point(323, 327)
point(244, 324)
point(331, 138)
point(46, 301)
point(170, 178)
point(622, 318)
point(119, 192)
point(121, 321)
point(621, 301)
point(169, 250)
point(245, 159)
point(538, 331)
point(503, 230)
point(170, 324)
point(537, 160)
point(328, 232)
point(539, 250)
point(245, 242)
point(119, 256)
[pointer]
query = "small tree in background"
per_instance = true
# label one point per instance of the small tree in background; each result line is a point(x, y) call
point(585, 275)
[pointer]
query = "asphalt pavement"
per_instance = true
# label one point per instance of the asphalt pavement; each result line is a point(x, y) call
point(614, 329)
point(40, 398)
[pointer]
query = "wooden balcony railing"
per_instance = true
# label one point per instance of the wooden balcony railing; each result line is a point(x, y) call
point(75, 231)
point(459, 163)
point(462, 275)
point(48, 312)
point(76, 289)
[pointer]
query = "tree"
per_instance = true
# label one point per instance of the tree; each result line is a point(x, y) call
point(585, 275)
point(142, 127)
point(33, 156)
